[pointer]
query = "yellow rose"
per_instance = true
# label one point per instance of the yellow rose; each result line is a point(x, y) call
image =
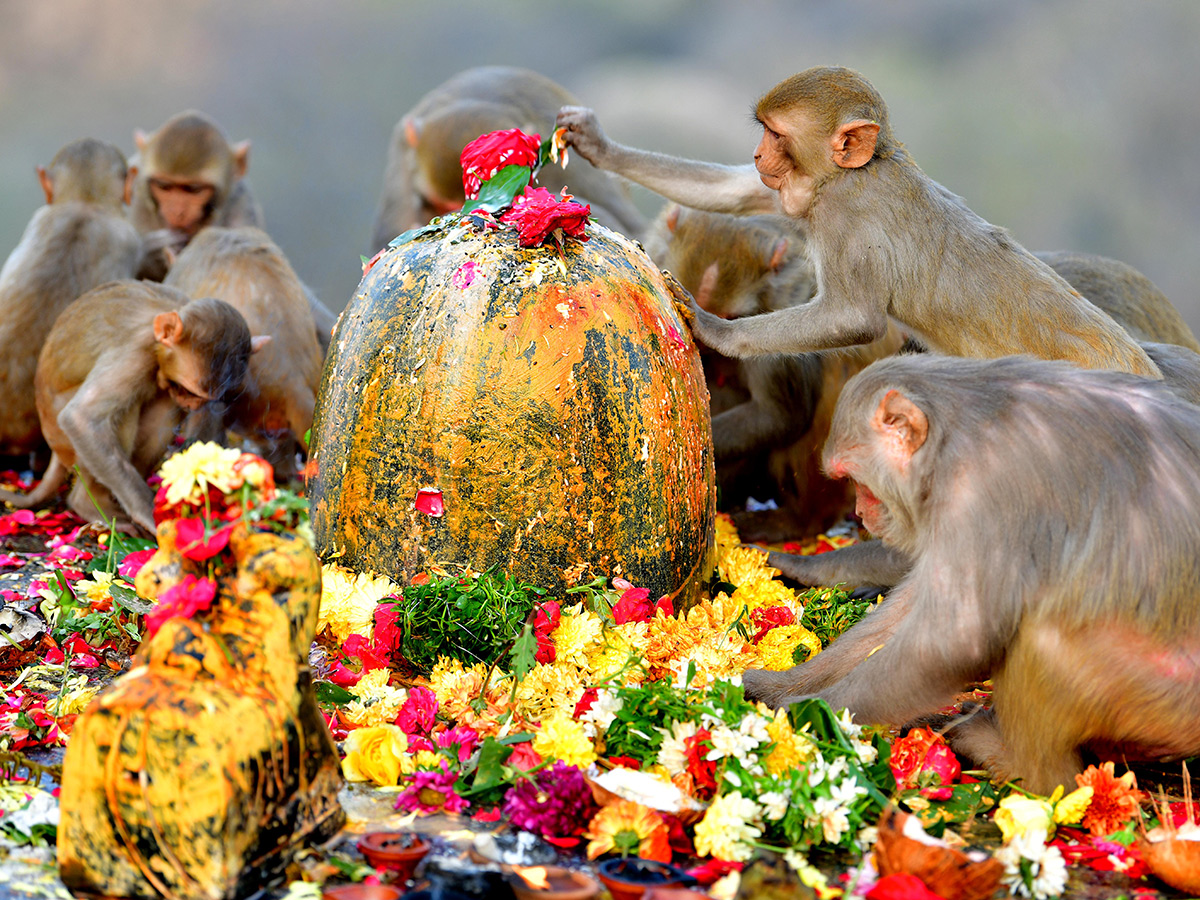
point(374, 754)
point(1017, 815)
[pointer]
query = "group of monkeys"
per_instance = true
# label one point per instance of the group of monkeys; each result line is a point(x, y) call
point(1030, 463)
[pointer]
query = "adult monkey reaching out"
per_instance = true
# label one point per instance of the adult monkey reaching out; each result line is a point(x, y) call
point(886, 239)
point(1049, 513)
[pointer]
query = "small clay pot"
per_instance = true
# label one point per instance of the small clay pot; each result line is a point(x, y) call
point(630, 878)
point(565, 884)
point(362, 892)
point(396, 851)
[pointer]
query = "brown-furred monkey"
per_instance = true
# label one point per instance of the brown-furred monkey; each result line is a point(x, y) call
point(887, 241)
point(770, 436)
point(423, 178)
point(776, 409)
point(243, 267)
point(77, 241)
point(191, 177)
point(1051, 514)
point(117, 371)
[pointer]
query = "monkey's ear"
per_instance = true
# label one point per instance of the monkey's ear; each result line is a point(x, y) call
point(140, 139)
point(130, 178)
point(778, 255)
point(673, 218)
point(47, 184)
point(901, 421)
point(241, 159)
point(258, 341)
point(412, 131)
point(168, 328)
point(853, 144)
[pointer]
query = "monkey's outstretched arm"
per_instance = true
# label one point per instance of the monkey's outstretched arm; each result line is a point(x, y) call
point(708, 186)
point(833, 663)
point(818, 324)
point(870, 563)
point(89, 420)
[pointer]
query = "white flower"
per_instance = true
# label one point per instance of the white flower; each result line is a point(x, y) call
point(672, 753)
point(846, 723)
point(774, 804)
point(865, 752)
point(833, 818)
point(1047, 868)
point(736, 744)
point(816, 769)
point(604, 709)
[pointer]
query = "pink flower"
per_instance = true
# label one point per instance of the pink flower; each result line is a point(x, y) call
point(489, 153)
point(133, 562)
point(634, 606)
point(537, 213)
point(524, 757)
point(465, 274)
point(432, 792)
point(462, 737)
point(196, 543)
point(183, 600)
point(429, 501)
point(923, 759)
point(388, 633)
point(419, 712)
point(766, 618)
point(343, 677)
point(359, 647)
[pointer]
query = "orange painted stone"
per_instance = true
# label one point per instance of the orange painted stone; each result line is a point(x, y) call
point(484, 404)
point(197, 772)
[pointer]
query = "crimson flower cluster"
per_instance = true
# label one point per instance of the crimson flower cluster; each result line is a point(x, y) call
point(555, 802)
point(489, 153)
point(537, 213)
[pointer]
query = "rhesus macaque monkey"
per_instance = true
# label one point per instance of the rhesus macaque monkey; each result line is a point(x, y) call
point(243, 267)
point(117, 371)
point(1051, 516)
point(887, 241)
point(191, 177)
point(77, 241)
point(738, 266)
point(423, 178)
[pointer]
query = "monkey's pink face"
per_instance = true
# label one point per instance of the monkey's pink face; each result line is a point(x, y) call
point(870, 509)
point(771, 157)
point(183, 205)
point(777, 166)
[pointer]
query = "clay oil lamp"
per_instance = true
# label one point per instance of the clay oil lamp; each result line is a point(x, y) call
point(628, 878)
point(552, 883)
point(395, 851)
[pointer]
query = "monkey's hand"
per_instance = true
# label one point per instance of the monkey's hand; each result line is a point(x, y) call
point(581, 130)
point(776, 689)
point(164, 239)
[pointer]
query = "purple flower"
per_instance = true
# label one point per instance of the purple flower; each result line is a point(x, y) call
point(556, 803)
point(432, 792)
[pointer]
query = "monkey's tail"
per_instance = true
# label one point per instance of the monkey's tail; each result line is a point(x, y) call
point(52, 480)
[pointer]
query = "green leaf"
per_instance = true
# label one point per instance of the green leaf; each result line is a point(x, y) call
point(524, 653)
point(497, 192)
point(127, 599)
point(328, 692)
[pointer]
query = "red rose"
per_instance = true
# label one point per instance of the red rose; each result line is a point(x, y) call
point(537, 213)
point(923, 759)
point(489, 153)
point(182, 600)
point(195, 544)
point(634, 606)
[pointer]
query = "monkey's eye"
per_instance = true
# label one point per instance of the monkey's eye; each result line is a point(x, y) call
point(183, 393)
point(187, 187)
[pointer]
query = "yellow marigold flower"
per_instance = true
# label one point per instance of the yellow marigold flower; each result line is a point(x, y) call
point(348, 601)
point(628, 828)
point(95, 589)
point(727, 534)
point(561, 737)
point(1114, 801)
point(189, 473)
point(720, 656)
point(374, 754)
point(727, 828)
point(1017, 815)
point(758, 594)
point(547, 690)
point(72, 702)
point(619, 644)
point(744, 565)
point(362, 714)
point(790, 750)
point(1071, 808)
point(579, 630)
point(775, 649)
point(427, 759)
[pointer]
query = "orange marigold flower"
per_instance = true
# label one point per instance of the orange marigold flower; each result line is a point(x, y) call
point(1114, 800)
point(630, 829)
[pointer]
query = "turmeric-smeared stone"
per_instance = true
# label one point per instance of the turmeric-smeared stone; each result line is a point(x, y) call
point(539, 409)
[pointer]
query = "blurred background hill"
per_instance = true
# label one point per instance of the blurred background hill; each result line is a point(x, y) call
point(1074, 123)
